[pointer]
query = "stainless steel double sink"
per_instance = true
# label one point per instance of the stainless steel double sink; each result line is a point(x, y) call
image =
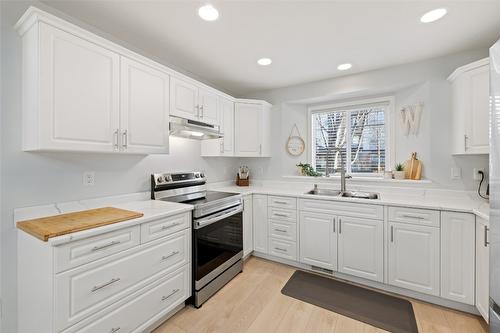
point(347, 194)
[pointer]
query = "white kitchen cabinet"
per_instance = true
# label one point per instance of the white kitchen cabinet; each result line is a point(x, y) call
point(413, 257)
point(70, 91)
point(361, 248)
point(252, 129)
point(457, 256)
point(223, 146)
point(247, 225)
point(144, 116)
point(470, 108)
point(318, 240)
point(482, 267)
point(191, 101)
point(260, 224)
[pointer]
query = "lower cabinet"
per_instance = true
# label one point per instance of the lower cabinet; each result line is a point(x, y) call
point(247, 225)
point(457, 256)
point(361, 248)
point(318, 240)
point(413, 257)
point(482, 267)
point(260, 224)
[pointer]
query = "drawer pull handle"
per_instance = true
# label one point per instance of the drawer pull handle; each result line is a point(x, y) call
point(170, 255)
point(279, 230)
point(280, 202)
point(115, 329)
point(97, 248)
point(166, 227)
point(280, 249)
point(164, 298)
point(110, 282)
point(392, 234)
point(486, 241)
point(414, 217)
point(280, 215)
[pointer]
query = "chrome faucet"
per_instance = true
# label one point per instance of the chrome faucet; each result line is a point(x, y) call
point(342, 172)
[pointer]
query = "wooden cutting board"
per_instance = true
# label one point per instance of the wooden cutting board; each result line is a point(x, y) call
point(413, 168)
point(57, 225)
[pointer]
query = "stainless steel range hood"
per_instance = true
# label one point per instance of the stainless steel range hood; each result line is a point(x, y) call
point(192, 129)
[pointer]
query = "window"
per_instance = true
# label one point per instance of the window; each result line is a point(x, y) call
point(354, 136)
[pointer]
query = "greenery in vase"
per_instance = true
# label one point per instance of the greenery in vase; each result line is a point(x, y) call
point(399, 167)
point(308, 170)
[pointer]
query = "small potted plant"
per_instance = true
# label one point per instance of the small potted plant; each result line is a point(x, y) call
point(306, 169)
point(399, 171)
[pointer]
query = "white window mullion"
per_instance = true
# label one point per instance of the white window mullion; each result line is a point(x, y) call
point(348, 143)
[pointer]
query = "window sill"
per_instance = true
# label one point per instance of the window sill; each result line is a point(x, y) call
point(368, 179)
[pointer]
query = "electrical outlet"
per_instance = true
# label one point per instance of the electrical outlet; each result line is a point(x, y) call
point(476, 175)
point(456, 173)
point(89, 178)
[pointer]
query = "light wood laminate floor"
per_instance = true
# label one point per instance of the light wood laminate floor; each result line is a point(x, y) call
point(252, 302)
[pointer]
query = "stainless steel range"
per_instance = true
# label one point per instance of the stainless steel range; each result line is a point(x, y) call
point(217, 229)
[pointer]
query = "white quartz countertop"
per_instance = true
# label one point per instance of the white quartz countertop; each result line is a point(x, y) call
point(441, 200)
point(152, 210)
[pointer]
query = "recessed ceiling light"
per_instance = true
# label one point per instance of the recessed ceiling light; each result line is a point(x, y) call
point(344, 67)
point(208, 13)
point(433, 15)
point(264, 61)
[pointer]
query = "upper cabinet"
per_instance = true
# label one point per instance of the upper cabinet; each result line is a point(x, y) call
point(470, 108)
point(252, 128)
point(225, 145)
point(190, 101)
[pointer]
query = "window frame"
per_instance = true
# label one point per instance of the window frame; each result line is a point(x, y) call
point(388, 124)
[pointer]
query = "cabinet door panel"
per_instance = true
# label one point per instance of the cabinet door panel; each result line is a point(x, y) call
point(482, 268)
point(457, 257)
point(247, 225)
point(227, 123)
point(361, 248)
point(414, 257)
point(79, 95)
point(145, 108)
point(208, 104)
point(183, 99)
point(260, 241)
point(318, 240)
point(478, 122)
point(247, 127)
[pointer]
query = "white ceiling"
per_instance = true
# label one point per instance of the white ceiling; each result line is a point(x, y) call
point(305, 39)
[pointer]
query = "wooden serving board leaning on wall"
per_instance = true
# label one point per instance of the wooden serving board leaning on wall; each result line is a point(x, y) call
point(58, 225)
point(413, 168)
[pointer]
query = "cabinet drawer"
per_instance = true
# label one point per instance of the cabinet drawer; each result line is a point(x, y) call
point(414, 216)
point(86, 290)
point(282, 202)
point(280, 214)
point(342, 208)
point(283, 249)
point(163, 227)
point(280, 230)
point(163, 297)
point(89, 249)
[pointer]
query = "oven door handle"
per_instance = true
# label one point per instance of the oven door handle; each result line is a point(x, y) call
point(217, 217)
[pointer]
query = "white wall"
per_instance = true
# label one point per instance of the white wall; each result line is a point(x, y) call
point(410, 83)
point(40, 178)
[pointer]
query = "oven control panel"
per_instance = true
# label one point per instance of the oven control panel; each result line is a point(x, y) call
point(159, 179)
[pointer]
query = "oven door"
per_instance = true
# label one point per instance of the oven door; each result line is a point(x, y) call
point(217, 244)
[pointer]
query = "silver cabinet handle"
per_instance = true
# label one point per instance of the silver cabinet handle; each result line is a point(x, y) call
point(115, 329)
point(110, 282)
point(465, 142)
point(280, 215)
point(260, 149)
point(222, 145)
point(486, 242)
point(280, 249)
point(280, 230)
point(280, 202)
point(124, 139)
point(166, 227)
point(392, 234)
point(334, 222)
point(340, 226)
point(115, 139)
point(97, 248)
point(202, 111)
point(164, 298)
point(170, 255)
point(414, 217)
